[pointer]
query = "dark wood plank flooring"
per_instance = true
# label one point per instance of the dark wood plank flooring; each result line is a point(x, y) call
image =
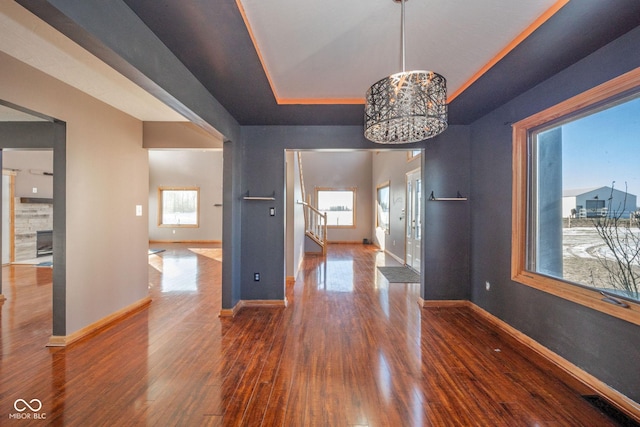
point(350, 350)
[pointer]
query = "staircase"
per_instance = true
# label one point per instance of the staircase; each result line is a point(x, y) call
point(315, 222)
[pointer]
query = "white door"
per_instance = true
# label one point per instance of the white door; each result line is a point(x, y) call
point(413, 232)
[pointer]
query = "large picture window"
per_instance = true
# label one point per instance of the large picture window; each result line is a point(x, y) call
point(339, 204)
point(576, 228)
point(178, 206)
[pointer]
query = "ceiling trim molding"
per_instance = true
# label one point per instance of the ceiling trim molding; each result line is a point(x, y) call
point(360, 101)
point(291, 101)
point(512, 45)
point(320, 101)
point(255, 46)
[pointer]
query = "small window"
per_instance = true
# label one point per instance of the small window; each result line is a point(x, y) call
point(339, 204)
point(382, 208)
point(576, 228)
point(178, 206)
point(413, 154)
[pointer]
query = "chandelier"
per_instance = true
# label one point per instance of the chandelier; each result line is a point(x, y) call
point(406, 107)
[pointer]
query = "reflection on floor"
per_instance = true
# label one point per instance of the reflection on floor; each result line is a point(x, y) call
point(350, 349)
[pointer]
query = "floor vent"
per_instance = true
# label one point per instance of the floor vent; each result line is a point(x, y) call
point(611, 411)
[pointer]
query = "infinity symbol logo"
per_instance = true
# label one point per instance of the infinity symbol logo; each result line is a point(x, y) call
point(24, 405)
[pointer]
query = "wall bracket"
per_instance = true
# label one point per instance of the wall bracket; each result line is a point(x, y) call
point(458, 198)
point(248, 197)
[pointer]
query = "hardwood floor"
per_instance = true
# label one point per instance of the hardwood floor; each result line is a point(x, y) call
point(350, 350)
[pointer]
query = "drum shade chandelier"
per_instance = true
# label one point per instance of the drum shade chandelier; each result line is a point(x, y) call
point(406, 107)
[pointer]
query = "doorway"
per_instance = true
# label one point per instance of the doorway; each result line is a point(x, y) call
point(7, 212)
point(413, 232)
point(186, 171)
point(388, 169)
point(23, 129)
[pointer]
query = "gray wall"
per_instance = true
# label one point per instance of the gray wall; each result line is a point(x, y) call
point(602, 345)
point(446, 224)
point(262, 244)
point(465, 243)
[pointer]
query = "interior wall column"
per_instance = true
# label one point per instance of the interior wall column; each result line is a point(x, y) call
point(231, 223)
point(59, 229)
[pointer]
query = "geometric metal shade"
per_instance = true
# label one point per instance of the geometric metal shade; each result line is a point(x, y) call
point(406, 107)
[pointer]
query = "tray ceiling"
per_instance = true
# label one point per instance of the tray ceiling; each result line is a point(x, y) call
point(332, 51)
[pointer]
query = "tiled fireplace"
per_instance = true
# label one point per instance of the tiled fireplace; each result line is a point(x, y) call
point(31, 218)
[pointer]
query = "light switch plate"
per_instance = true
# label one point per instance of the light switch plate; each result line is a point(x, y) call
point(138, 210)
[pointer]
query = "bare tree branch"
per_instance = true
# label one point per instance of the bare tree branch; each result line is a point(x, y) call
point(622, 260)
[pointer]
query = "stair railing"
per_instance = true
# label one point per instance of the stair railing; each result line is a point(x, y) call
point(315, 222)
point(316, 225)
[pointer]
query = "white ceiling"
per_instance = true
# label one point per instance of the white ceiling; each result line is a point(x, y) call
point(30, 40)
point(321, 51)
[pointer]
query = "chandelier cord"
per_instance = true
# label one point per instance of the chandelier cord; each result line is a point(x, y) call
point(402, 35)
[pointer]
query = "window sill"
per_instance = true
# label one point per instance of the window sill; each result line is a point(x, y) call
point(583, 296)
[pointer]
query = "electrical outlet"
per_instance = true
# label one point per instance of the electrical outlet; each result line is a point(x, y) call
point(256, 277)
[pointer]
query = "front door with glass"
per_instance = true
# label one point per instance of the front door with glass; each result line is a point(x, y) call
point(413, 233)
